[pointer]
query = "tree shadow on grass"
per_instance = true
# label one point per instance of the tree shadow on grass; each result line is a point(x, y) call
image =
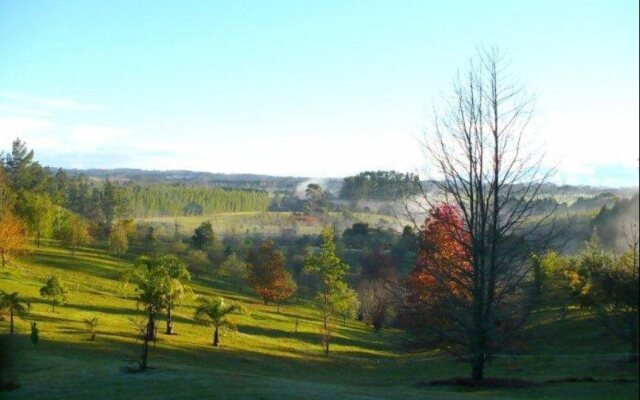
point(75, 264)
point(307, 337)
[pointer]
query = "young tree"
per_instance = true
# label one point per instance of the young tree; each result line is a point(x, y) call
point(379, 289)
point(215, 312)
point(197, 261)
point(35, 333)
point(177, 273)
point(15, 306)
point(92, 324)
point(111, 203)
point(236, 269)
point(119, 240)
point(346, 304)
point(330, 271)
point(267, 276)
point(611, 290)
point(39, 212)
point(74, 233)
point(13, 239)
point(151, 280)
point(480, 161)
point(54, 291)
point(282, 288)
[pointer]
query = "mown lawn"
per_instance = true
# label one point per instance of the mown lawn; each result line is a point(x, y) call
point(266, 358)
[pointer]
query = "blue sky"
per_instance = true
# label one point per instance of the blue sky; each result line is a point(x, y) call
point(325, 88)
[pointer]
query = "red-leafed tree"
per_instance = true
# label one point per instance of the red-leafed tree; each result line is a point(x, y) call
point(439, 286)
point(267, 275)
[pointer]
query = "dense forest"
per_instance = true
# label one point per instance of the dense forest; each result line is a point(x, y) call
point(171, 200)
point(379, 185)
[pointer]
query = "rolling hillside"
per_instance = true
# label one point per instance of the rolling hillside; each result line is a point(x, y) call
point(266, 358)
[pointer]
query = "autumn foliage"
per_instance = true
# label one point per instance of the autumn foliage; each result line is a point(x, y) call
point(267, 275)
point(13, 239)
point(441, 280)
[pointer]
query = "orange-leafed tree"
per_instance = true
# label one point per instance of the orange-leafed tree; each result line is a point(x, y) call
point(267, 275)
point(440, 285)
point(13, 238)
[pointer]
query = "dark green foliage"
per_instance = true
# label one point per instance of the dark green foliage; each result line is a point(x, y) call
point(404, 251)
point(54, 291)
point(379, 185)
point(112, 203)
point(34, 333)
point(23, 172)
point(203, 236)
point(14, 306)
point(361, 236)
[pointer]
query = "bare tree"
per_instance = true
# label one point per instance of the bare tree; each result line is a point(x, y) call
point(482, 166)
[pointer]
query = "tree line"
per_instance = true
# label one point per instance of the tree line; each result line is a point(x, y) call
point(170, 200)
point(379, 185)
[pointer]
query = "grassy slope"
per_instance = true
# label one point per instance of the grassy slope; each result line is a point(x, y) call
point(265, 359)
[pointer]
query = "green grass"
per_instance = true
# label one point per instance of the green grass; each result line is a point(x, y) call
point(266, 222)
point(265, 359)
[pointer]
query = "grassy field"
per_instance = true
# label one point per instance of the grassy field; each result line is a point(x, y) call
point(266, 359)
point(268, 222)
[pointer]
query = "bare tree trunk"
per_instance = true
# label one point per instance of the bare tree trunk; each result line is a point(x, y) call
point(11, 320)
point(326, 334)
point(216, 337)
point(169, 330)
point(477, 369)
point(148, 336)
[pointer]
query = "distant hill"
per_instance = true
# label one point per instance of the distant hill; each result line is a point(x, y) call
point(563, 193)
point(244, 181)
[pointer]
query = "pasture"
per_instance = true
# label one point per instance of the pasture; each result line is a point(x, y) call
point(266, 358)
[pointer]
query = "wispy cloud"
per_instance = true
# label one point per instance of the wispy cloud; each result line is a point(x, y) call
point(48, 103)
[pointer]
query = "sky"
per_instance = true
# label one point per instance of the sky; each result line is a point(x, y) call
point(307, 88)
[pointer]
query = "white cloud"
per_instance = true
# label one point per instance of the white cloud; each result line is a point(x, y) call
point(14, 126)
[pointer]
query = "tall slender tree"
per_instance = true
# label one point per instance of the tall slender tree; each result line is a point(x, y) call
point(483, 164)
point(330, 271)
